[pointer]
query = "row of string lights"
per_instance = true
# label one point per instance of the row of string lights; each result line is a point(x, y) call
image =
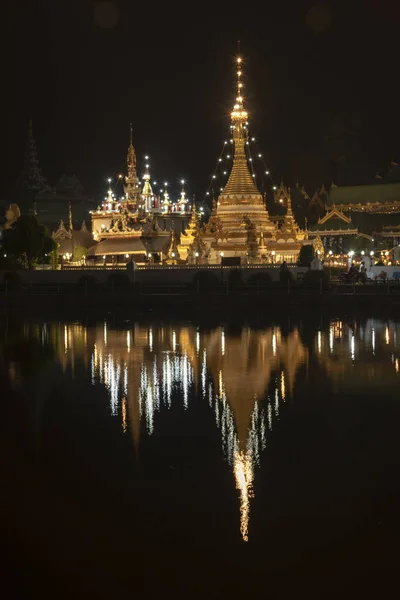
point(254, 155)
point(224, 166)
point(116, 185)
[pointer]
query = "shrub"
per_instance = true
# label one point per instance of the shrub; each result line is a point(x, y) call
point(312, 280)
point(306, 255)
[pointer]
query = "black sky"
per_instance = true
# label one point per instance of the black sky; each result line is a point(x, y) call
point(84, 74)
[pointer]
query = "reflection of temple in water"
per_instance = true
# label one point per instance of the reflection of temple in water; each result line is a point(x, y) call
point(142, 366)
point(360, 357)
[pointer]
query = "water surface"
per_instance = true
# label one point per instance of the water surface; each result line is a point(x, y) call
point(211, 461)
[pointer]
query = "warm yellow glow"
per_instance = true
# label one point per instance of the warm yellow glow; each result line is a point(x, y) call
point(123, 411)
point(396, 365)
point(283, 391)
point(387, 337)
point(128, 341)
point(239, 60)
point(243, 470)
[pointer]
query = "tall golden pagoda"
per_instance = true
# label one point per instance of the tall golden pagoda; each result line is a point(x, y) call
point(241, 214)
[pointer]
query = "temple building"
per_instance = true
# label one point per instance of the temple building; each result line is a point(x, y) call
point(139, 225)
point(371, 212)
point(240, 226)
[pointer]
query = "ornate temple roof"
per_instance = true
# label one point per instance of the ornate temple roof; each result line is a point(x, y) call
point(362, 195)
point(334, 222)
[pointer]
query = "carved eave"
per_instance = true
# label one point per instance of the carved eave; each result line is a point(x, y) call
point(335, 212)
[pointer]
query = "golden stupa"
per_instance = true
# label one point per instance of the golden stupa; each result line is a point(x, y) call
point(240, 225)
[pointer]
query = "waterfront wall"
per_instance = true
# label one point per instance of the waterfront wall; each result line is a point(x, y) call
point(167, 274)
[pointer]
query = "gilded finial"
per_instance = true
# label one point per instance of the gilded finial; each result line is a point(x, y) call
point(70, 216)
point(131, 131)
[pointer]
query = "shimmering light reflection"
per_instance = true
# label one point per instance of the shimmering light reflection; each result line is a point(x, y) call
point(283, 385)
point(244, 475)
point(123, 411)
point(244, 378)
point(174, 341)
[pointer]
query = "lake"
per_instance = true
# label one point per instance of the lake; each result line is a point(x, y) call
point(168, 458)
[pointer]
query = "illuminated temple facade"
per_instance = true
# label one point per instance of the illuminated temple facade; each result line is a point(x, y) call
point(240, 225)
point(140, 225)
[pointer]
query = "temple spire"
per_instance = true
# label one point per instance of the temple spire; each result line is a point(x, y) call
point(132, 186)
point(147, 189)
point(183, 201)
point(240, 180)
point(70, 216)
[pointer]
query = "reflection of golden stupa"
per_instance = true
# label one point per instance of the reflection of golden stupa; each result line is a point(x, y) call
point(141, 366)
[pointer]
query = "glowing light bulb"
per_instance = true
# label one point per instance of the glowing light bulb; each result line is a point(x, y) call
point(239, 60)
point(214, 176)
point(220, 159)
point(267, 172)
point(250, 159)
point(183, 182)
point(253, 139)
point(239, 73)
point(146, 158)
point(109, 180)
point(260, 155)
point(224, 172)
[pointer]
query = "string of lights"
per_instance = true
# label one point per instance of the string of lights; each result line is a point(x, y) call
point(224, 160)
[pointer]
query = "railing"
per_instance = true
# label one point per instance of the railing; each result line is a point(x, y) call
point(161, 267)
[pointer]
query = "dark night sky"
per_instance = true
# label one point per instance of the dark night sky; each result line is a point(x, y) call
point(85, 73)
